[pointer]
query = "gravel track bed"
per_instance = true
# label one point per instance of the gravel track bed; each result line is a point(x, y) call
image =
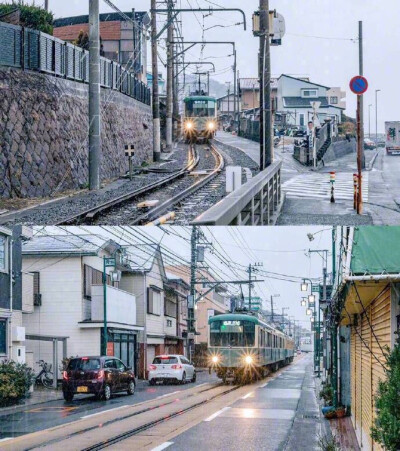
point(128, 212)
point(58, 211)
point(212, 193)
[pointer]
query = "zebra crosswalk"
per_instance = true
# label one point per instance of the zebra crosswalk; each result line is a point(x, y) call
point(317, 186)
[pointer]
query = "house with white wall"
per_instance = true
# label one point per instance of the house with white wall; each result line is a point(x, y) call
point(12, 332)
point(295, 97)
point(65, 275)
point(157, 312)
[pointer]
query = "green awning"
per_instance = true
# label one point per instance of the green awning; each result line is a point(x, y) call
point(376, 250)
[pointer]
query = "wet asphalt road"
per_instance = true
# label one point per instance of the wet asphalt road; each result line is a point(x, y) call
point(54, 413)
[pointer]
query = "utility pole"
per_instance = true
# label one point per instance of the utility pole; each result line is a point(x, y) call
point(156, 98)
point(272, 309)
point(191, 303)
point(170, 75)
point(361, 64)
point(249, 271)
point(94, 96)
point(175, 93)
point(376, 118)
point(369, 120)
point(235, 93)
point(46, 5)
point(229, 97)
point(266, 154)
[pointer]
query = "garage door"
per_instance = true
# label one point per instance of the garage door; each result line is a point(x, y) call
point(151, 353)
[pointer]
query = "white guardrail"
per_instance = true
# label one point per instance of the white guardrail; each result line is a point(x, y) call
point(257, 202)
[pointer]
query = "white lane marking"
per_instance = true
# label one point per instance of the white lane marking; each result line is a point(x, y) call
point(214, 415)
point(104, 411)
point(5, 439)
point(248, 395)
point(200, 385)
point(263, 385)
point(162, 446)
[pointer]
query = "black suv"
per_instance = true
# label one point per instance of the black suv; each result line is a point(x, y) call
point(101, 376)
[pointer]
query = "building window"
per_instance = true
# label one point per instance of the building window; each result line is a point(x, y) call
point(310, 92)
point(169, 323)
point(3, 253)
point(170, 308)
point(334, 100)
point(153, 301)
point(91, 277)
point(3, 336)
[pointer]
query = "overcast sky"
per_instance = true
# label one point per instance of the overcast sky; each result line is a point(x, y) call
point(330, 62)
point(281, 250)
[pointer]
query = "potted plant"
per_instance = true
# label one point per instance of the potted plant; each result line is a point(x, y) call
point(341, 412)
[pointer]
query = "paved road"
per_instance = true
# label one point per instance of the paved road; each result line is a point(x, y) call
point(53, 413)
point(308, 193)
point(384, 193)
point(282, 414)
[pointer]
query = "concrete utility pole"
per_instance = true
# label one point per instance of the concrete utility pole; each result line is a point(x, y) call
point(361, 64)
point(94, 96)
point(191, 304)
point(156, 98)
point(175, 113)
point(266, 149)
point(46, 5)
point(170, 75)
point(272, 308)
point(250, 282)
point(235, 90)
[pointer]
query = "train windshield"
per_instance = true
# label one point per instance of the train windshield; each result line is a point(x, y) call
point(232, 333)
point(200, 108)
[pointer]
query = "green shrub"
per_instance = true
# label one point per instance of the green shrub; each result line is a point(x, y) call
point(326, 394)
point(31, 16)
point(15, 380)
point(386, 429)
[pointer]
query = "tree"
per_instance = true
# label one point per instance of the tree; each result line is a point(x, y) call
point(386, 429)
point(31, 16)
point(83, 40)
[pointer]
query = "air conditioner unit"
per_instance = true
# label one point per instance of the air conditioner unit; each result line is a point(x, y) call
point(37, 299)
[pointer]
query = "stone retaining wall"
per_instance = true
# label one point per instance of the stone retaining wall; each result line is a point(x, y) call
point(44, 134)
point(339, 149)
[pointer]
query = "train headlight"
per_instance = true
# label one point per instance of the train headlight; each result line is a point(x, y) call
point(211, 126)
point(189, 125)
point(215, 359)
point(248, 359)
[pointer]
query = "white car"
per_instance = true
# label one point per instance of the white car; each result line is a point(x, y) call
point(171, 367)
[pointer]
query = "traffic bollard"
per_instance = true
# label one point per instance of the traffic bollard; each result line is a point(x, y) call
point(333, 180)
point(355, 184)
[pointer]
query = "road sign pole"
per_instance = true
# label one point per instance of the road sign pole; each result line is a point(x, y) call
point(359, 157)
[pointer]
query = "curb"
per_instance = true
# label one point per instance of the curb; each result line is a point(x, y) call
point(372, 162)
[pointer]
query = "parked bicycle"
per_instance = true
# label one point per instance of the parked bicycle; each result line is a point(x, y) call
point(45, 377)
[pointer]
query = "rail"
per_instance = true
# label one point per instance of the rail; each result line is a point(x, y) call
point(256, 203)
point(28, 49)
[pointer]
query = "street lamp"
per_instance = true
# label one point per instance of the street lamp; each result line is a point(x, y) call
point(311, 298)
point(115, 276)
point(308, 312)
point(369, 120)
point(304, 286)
point(312, 319)
point(303, 302)
point(376, 117)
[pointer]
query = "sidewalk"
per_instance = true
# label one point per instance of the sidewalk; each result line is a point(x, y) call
point(307, 192)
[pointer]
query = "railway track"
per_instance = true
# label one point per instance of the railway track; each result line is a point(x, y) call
point(88, 216)
point(210, 165)
point(130, 433)
point(109, 428)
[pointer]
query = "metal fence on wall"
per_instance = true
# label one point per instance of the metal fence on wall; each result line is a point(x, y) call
point(33, 50)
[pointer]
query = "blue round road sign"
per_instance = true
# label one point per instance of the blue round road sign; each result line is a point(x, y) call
point(359, 85)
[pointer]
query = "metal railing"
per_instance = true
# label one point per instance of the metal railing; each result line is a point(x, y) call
point(33, 50)
point(255, 203)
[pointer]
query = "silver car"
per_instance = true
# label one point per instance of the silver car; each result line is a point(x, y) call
point(171, 368)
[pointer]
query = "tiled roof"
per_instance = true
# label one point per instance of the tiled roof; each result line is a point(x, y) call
point(301, 102)
point(253, 83)
point(304, 80)
point(63, 244)
point(109, 31)
point(106, 17)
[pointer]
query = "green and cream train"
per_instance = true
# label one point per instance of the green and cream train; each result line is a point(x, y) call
point(242, 347)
